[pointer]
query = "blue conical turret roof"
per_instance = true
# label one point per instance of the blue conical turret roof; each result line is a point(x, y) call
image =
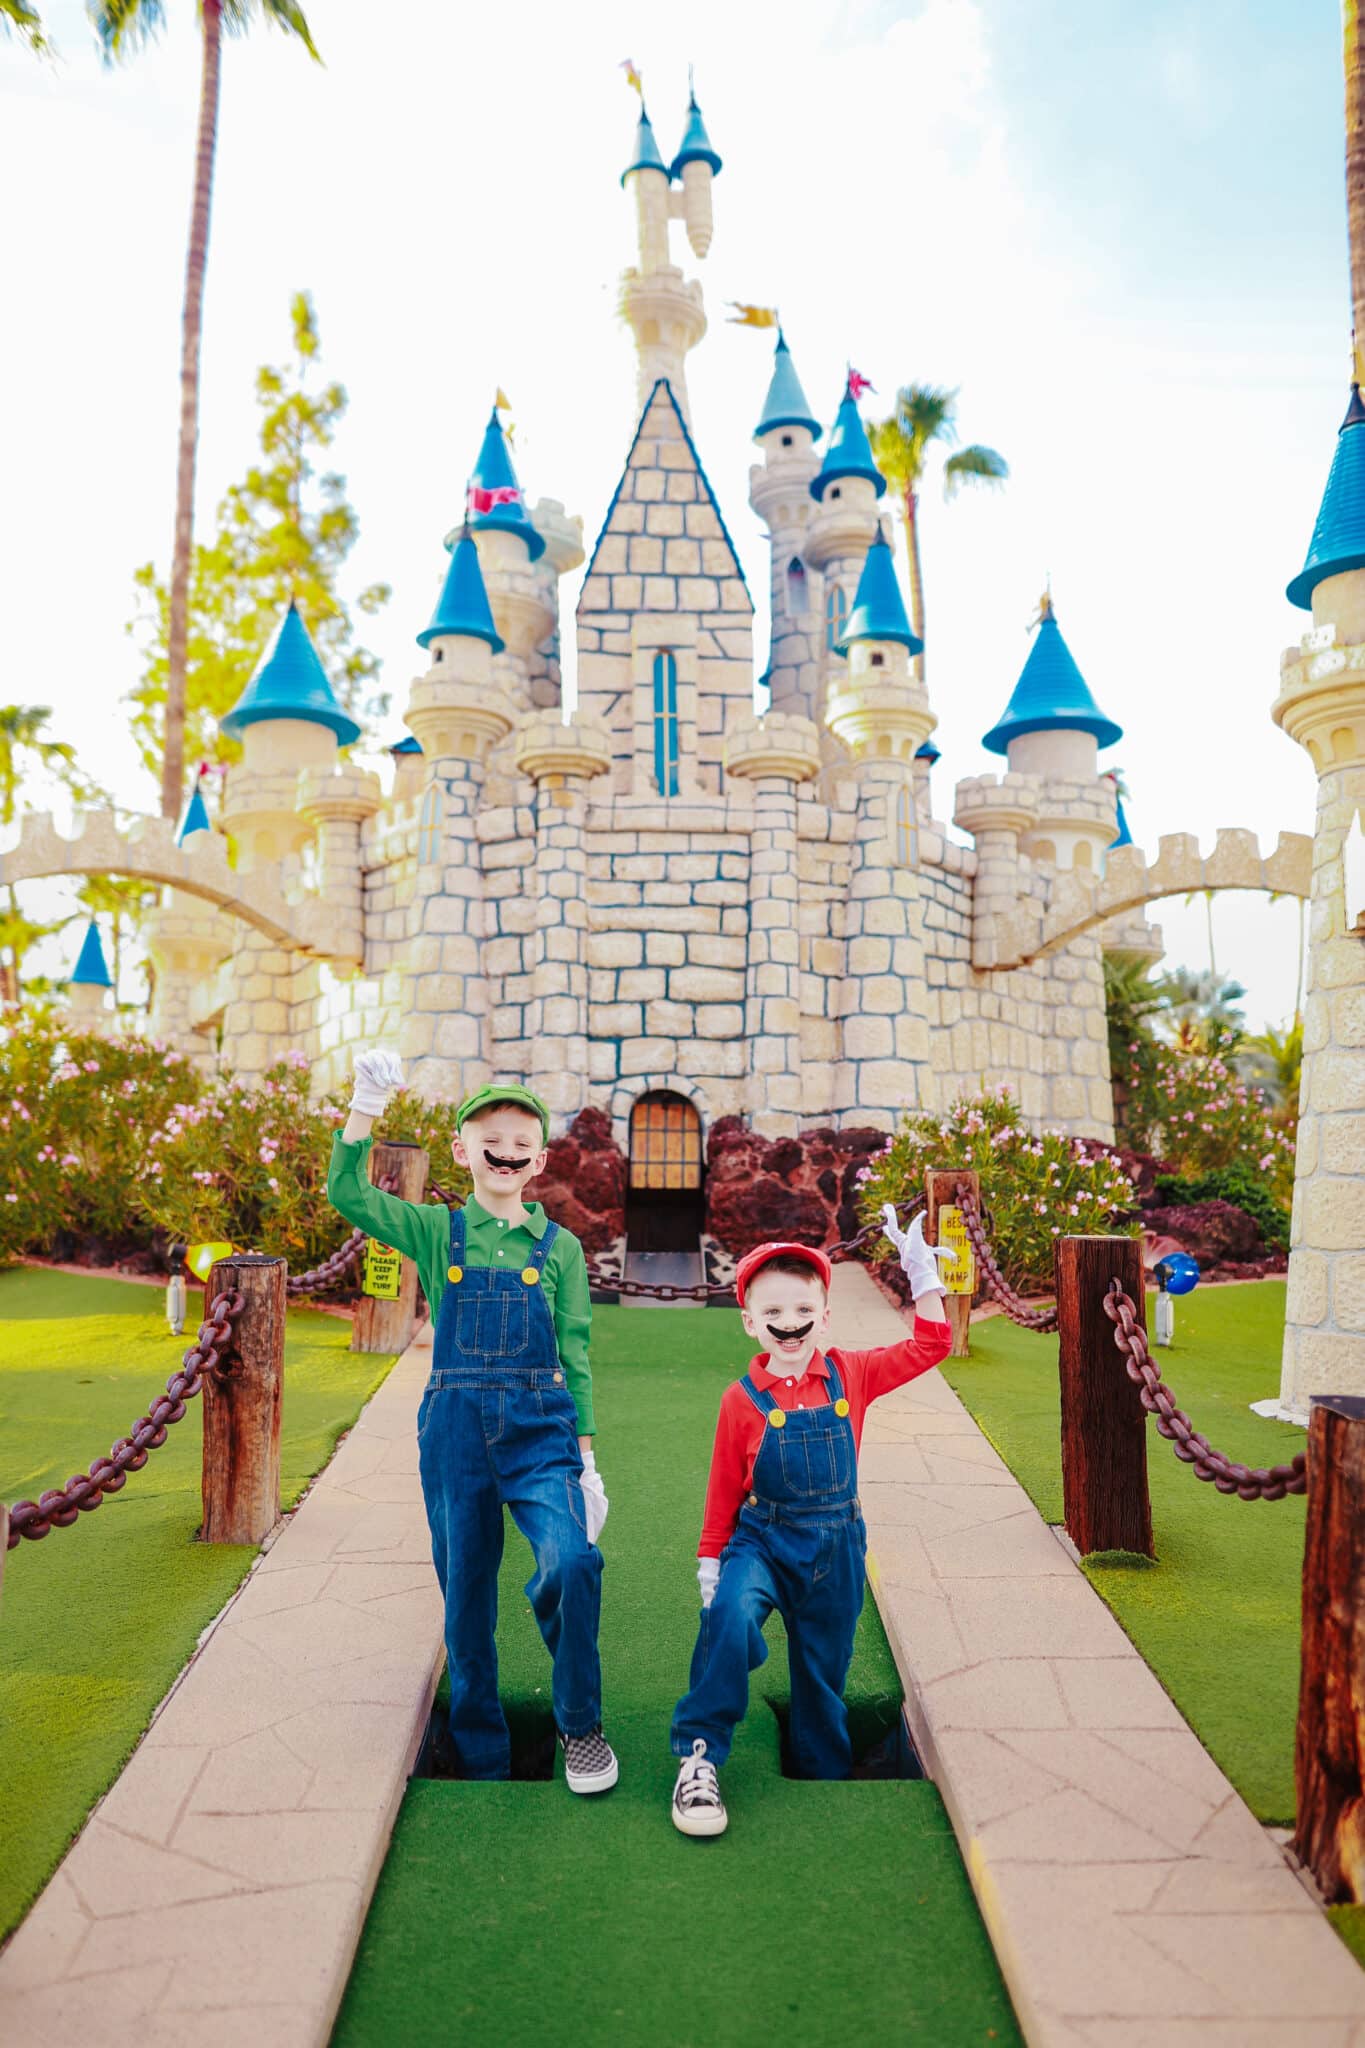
point(195, 818)
point(409, 744)
point(878, 609)
point(290, 683)
point(1338, 541)
point(786, 404)
point(645, 156)
point(695, 147)
point(463, 607)
point(1051, 694)
point(493, 487)
point(1125, 837)
point(928, 752)
point(848, 452)
point(91, 970)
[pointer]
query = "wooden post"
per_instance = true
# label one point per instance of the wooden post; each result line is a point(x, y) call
point(242, 1411)
point(1329, 1755)
point(387, 1325)
point(1106, 1505)
point(943, 1188)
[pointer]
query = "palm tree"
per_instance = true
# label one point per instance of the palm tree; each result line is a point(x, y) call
point(1273, 1062)
point(123, 26)
point(925, 414)
point(1200, 1011)
point(17, 17)
point(23, 747)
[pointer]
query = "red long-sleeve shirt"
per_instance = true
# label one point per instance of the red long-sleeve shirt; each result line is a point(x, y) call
point(739, 1429)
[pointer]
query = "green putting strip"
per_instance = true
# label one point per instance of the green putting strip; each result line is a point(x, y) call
point(97, 1620)
point(516, 1914)
point(1217, 1616)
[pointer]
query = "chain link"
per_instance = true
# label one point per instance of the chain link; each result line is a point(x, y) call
point(59, 1507)
point(1013, 1303)
point(332, 1272)
point(1248, 1482)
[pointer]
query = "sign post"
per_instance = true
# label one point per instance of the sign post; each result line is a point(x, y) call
point(386, 1313)
point(944, 1189)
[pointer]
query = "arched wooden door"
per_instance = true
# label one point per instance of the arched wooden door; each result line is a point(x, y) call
point(665, 1202)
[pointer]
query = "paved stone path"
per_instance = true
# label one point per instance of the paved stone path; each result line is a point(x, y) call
point(1133, 1899)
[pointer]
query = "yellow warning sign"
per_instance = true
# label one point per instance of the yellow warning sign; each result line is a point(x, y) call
point(959, 1272)
point(383, 1271)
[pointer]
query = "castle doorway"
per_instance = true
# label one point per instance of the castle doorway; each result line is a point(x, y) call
point(665, 1199)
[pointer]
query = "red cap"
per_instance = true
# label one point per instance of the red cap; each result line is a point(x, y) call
point(762, 1253)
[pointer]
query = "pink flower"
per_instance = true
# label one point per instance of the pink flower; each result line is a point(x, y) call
point(70, 1159)
point(273, 1182)
point(1269, 1160)
point(11, 1198)
point(92, 1066)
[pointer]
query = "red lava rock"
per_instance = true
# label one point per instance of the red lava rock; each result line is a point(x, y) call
point(1211, 1232)
point(802, 1188)
point(583, 1186)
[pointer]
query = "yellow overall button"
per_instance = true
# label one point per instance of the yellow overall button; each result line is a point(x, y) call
point(841, 1406)
point(454, 1272)
point(530, 1276)
point(777, 1418)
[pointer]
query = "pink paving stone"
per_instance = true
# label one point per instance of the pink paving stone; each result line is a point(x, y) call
point(1013, 1692)
point(1014, 1547)
point(295, 1848)
point(117, 1874)
point(259, 1774)
point(147, 1801)
point(1116, 1692)
point(1139, 1791)
point(110, 2007)
point(322, 1634)
point(290, 1944)
point(1069, 1827)
point(45, 1947)
point(1060, 1617)
point(992, 1780)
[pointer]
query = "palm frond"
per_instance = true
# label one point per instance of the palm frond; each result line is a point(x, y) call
point(285, 14)
point(124, 26)
point(925, 412)
point(18, 15)
point(976, 465)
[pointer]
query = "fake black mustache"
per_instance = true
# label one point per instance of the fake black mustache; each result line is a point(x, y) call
point(802, 1330)
point(514, 1164)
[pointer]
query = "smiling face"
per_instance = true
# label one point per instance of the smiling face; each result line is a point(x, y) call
point(788, 1314)
point(503, 1147)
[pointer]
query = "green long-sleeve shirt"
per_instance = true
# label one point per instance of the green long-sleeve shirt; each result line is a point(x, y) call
point(422, 1231)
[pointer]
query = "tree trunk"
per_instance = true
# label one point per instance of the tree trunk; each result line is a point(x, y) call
point(1353, 56)
point(1105, 1503)
point(916, 575)
point(241, 1477)
point(1329, 1757)
point(387, 1324)
point(196, 263)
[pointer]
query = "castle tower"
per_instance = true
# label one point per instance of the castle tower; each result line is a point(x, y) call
point(563, 538)
point(1322, 706)
point(779, 491)
point(524, 601)
point(290, 726)
point(662, 308)
point(187, 938)
point(88, 989)
point(456, 712)
point(880, 711)
point(845, 489)
point(1053, 728)
point(665, 620)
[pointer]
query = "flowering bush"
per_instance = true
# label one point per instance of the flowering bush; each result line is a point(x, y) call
point(1035, 1187)
point(1197, 1115)
point(75, 1110)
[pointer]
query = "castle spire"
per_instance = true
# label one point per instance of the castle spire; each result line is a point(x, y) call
point(786, 404)
point(494, 501)
point(462, 610)
point(848, 453)
point(290, 683)
point(645, 155)
point(91, 969)
point(1051, 694)
point(878, 609)
point(1338, 541)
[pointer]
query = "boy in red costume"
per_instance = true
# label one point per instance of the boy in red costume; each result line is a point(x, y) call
point(782, 1527)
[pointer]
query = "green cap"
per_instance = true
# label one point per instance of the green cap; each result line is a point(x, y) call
point(484, 1098)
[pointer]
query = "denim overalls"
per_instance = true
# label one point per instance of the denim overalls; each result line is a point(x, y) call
point(801, 1547)
point(497, 1425)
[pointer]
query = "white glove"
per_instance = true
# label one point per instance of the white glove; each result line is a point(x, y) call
point(377, 1074)
point(594, 1497)
point(708, 1578)
point(919, 1261)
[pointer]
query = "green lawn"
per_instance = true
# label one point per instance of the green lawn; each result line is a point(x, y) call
point(515, 1914)
point(1217, 1616)
point(97, 1620)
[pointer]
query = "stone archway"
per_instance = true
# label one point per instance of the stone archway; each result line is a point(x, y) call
point(665, 1174)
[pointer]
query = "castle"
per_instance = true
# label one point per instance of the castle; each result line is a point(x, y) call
point(668, 905)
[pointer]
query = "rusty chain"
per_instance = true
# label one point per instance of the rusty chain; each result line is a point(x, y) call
point(671, 1290)
point(1248, 1482)
point(1012, 1302)
point(60, 1506)
point(333, 1270)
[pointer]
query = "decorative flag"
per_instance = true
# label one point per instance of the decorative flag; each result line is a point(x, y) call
point(752, 316)
point(502, 402)
point(478, 500)
point(858, 384)
point(633, 78)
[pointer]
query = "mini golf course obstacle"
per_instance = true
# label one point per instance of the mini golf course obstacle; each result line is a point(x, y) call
point(1329, 1754)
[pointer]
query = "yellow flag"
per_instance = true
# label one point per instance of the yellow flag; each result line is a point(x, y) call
point(633, 78)
point(752, 316)
point(502, 401)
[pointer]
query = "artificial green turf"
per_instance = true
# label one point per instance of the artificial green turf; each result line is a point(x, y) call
point(515, 1914)
point(1217, 1617)
point(96, 1620)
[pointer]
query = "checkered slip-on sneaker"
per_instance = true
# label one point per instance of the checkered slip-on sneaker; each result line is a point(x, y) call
point(589, 1761)
point(698, 1808)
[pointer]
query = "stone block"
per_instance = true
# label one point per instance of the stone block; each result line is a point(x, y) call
point(636, 984)
point(1329, 1363)
point(661, 594)
point(615, 949)
point(867, 1038)
point(645, 1056)
point(615, 1020)
point(667, 949)
point(705, 984)
point(719, 1020)
point(1333, 1214)
point(669, 1020)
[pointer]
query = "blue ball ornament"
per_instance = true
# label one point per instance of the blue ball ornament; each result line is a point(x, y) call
point(1177, 1273)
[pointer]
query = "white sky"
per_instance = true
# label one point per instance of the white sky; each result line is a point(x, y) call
point(988, 193)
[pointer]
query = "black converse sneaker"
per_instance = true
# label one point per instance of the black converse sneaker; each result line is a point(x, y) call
point(589, 1761)
point(698, 1808)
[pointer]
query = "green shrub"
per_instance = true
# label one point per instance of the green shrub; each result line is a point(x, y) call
point(1035, 1187)
point(1237, 1184)
point(1197, 1116)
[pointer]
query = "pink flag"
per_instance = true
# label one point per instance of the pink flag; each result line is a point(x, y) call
point(479, 500)
point(858, 384)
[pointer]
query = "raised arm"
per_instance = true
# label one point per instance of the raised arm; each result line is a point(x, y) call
point(349, 1189)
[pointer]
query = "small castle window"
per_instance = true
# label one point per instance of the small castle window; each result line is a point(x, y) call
point(836, 612)
point(786, 440)
point(440, 654)
point(879, 661)
point(836, 492)
point(666, 724)
point(906, 838)
point(429, 826)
